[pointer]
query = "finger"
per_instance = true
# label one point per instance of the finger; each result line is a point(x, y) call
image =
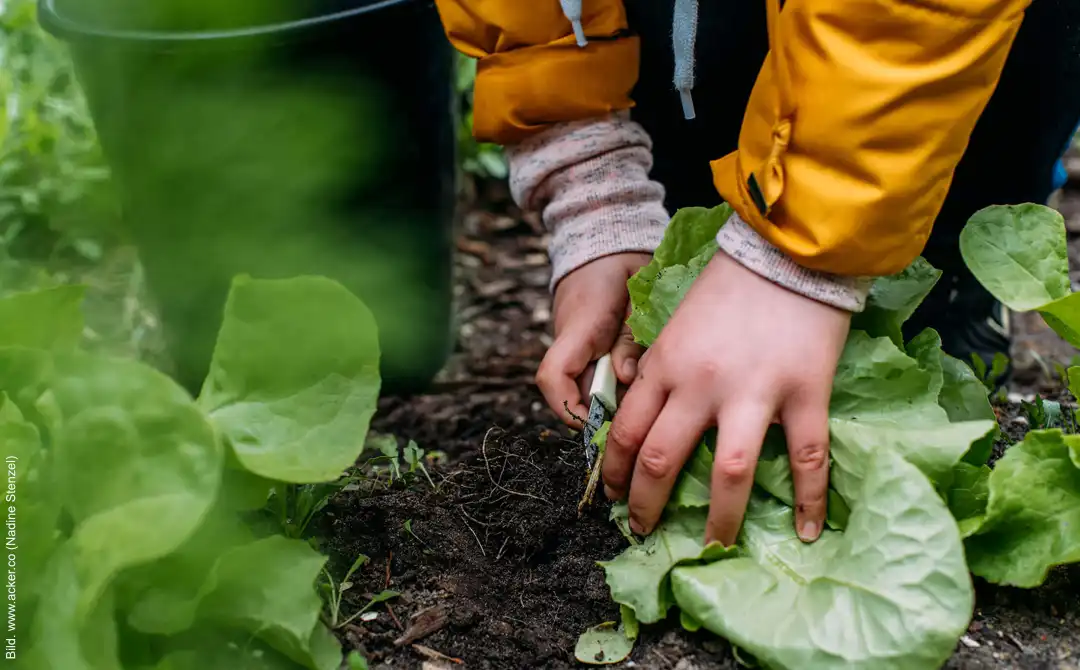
point(806, 425)
point(665, 450)
point(584, 381)
point(740, 431)
point(557, 378)
point(631, 425)
point(625, 354)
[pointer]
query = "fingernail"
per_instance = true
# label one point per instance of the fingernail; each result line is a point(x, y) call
point(637, 527)
point(629, 368)
point(809, 531)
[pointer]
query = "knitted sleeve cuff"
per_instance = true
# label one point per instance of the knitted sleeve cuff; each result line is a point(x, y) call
point(740, 241)
point(590, 181)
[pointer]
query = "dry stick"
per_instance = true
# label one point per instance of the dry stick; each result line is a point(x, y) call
point(430, 653)
point(593, 481)
point(388, 559)
point(505, 540)
point(471, 518)
point(487, 466)
point(390, 611)
point(477, 537)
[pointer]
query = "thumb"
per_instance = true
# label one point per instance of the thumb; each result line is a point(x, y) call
point(625, 354)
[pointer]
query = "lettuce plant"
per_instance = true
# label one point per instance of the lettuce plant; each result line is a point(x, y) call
point(131, 499)
point(912, 505)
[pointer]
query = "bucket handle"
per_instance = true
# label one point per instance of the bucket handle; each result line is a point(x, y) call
point(58, 25)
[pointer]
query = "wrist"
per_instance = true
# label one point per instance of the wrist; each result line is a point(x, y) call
point(741, 242)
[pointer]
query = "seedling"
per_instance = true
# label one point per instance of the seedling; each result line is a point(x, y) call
point(407, 526)
point(334, 592)
point(391, 458)
point(990, 377)
point(1042, 414)
point(295, 505)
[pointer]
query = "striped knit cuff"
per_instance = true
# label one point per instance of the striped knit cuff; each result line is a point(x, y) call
point(590, 180)
point(740, 241)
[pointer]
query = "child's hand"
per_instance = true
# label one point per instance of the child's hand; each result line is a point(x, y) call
point(591, 305)
point(739, 353)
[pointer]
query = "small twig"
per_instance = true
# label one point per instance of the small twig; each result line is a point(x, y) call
point(470, 518)
point(1012, 638)
point(477, 537)
point(499, 555)
point(390, 611)
point(487, 466)
point(430, 653)
point(594, 480)
point(389, 558)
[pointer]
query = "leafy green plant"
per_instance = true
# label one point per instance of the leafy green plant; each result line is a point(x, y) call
point(390, 460)
point(136, 500)
point(336, 591)
point(992, 375)
point(1042, 414)
point(295, 505)
point(912, 504)
point(356, 661)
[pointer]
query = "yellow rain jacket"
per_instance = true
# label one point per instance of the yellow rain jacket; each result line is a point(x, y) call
point(849, 141)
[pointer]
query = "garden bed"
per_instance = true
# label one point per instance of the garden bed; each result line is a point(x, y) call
point(496, 569)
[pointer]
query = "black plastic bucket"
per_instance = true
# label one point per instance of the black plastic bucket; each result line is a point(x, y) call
point(281, 140)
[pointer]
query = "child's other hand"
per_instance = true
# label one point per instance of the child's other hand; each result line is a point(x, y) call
point(591, 305)
point(739, 353)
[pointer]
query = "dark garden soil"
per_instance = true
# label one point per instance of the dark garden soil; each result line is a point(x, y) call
point(496, 569)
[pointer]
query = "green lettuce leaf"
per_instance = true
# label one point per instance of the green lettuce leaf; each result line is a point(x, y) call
point(695, 480)
point(132, 452)
point(218, 649)
point(21, 439)
point(639, 578)
point(49, 319)
point(885, 398)
point(964, 398)
point(891, 591)
point(604, 644)
point(1019, 254)
point(902, 418)
point(1032, 514)
point(62, 638)
point(892, 300)
point(294, 379)
point(225, 578)
point(968, 496)
point(658, 288)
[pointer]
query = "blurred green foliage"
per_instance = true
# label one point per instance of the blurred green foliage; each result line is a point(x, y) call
point(59, 217)
point(476, 158)
point(55, 204)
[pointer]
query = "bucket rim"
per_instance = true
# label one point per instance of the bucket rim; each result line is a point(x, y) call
point(65, 28)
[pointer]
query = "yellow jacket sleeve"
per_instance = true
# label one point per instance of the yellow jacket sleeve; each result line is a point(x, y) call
point(857, 120)
point(531, 72)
